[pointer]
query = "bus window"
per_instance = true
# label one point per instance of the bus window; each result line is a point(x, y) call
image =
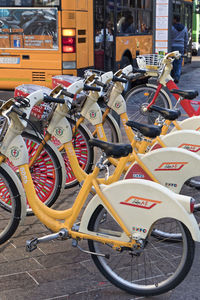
point(127, 31)
point(135, 18)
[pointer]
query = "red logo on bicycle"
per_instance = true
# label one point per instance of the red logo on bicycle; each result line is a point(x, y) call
point(140, 202)
point(171, 166)
point(192, 148)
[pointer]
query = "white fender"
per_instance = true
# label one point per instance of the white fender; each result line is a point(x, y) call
point(20, 189)
point(183, 139)
point(170, 166)
point(192, 123)
point(140, 203)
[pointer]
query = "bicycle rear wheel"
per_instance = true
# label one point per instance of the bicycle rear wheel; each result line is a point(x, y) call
point(10, 203)
point(138, 98)
point(188, 190)
point(155, 269)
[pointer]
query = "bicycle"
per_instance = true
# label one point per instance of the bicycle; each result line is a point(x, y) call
point(144, 171)
point(148, 166)
point(47, 170)
point(181, 139)
point(128, 238)
point(140, 98)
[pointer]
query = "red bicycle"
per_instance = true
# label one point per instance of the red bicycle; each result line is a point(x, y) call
point(140, 98)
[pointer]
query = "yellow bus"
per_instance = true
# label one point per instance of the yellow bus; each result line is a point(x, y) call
point(43, 38)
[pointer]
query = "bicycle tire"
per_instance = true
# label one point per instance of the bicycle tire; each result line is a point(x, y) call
point(46, 171)
point(84, 153)
point(161, 276)
point(10, 203)
point(112, 132)
point(139, 97)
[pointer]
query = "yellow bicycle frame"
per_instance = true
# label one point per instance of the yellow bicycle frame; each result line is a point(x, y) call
point(56, 220)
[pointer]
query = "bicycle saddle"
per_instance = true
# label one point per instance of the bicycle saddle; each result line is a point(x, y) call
point(185, 94)
point(151, 131)
point(168, 114)
point(114, 150)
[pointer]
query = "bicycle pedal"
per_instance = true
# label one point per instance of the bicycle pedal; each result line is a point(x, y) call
point(31, 245)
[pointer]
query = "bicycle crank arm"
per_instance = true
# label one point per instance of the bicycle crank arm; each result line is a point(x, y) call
point(75, 244)
point(32, 244)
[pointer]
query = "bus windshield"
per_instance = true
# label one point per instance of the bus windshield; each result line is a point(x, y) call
point(30, 3)
point(29, 28)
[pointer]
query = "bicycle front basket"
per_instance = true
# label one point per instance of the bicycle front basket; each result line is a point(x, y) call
point(149, 61)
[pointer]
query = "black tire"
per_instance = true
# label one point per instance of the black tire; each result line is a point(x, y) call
point(139, 97)
point(109, 129)
point(55, 175)
point(10, 205)
point(188, 189)
point(161, 265)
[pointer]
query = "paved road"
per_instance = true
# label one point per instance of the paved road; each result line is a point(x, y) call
point(57, 271)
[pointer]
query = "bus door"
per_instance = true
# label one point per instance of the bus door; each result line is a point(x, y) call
point(104, 26)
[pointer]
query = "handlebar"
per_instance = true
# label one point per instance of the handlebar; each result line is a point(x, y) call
point(137, 70)
point(68, 94)
point(91, 88)
point(100, 83)
point(119, 79)
point(174, 54)
point(49, 99)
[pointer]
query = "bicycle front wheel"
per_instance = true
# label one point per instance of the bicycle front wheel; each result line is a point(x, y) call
point(138, 98)
point(46, 171)
point(10, 203)
point(157, 268)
